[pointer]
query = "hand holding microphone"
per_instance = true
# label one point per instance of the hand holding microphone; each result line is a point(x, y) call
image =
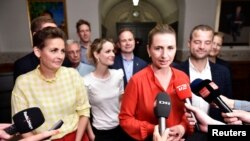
point(26, 121)
point(162, 110)
point(184, 93)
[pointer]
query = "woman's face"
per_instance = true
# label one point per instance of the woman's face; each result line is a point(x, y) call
point(106, 55)
point(52, 55)
point(162, 50)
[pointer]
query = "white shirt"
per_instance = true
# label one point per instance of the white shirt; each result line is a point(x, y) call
point(104, 97)
point(198, 101)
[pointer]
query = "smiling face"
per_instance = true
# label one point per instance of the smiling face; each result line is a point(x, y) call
point(106, 55)
point(201, 44)
point(216, 47)
point(162, 49)
point(126, 42)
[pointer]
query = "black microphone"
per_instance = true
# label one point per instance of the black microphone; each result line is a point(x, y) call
point(210, 92)
point(184, 93)
point(26, 121)
point(162, 110)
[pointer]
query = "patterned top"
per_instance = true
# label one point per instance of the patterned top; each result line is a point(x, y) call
point(63, 97)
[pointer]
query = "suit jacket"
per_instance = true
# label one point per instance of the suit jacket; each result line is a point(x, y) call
point(138, 65)
point(221, 77)
point(28, 63)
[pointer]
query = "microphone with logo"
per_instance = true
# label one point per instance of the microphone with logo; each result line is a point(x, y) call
point(184, 93)
point(26, 121)
point(162, 110)
point(210, 92)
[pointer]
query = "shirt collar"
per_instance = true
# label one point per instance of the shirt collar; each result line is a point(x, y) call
point(38, 72)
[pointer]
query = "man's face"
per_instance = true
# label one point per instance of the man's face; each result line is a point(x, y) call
point(126, 42)
point(73, 53)
point(201, 44)
point(84, 33)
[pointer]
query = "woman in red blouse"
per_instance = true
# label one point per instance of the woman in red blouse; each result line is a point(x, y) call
point(137, 110)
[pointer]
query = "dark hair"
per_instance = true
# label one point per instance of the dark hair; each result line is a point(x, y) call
point(97, 46)
point(200, 27)
point(160, 28)
point(47, 33)
point(47, 12)
point(37, 23)
point(81, 22)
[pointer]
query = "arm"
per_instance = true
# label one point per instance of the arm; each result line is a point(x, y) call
point(202, 117)
point(82, 108)
point(237, 117)
point(19, 101)
point(83, 121)
point(137, 129)
point(90, 132)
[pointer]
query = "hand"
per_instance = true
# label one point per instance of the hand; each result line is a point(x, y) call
point(202, 117)
point(229, 102)
point(176, 133)
point(41, 136)
point(3, 134)
point(236, 117)
point(158, 137)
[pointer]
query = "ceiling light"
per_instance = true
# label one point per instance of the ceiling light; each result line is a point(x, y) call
point(135, 2)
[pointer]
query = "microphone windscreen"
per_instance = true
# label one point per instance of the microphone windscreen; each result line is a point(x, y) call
point(28, 119)
point(196, 85)
point(207, 89)
point(183, 89)
point(163, 105)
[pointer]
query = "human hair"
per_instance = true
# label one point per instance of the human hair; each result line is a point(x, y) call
point(71, 41)
point(47, 12)
point(200, 27)
point(123, 30)
point(219, 34)
point(160, 28)
point(47, 33)
point(81, 22)
point(37, 23)
point(97, 46)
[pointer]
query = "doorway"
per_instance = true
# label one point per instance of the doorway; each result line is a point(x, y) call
point(141, 31)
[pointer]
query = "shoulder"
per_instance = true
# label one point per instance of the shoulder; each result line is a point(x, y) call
point(87, 66)
point(140, 60)
point(118, 73)
point(142, 73)
point(179, 73)
point(70, 71)
point(27, 58)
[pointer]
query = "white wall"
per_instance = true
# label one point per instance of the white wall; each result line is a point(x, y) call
point(14, 24)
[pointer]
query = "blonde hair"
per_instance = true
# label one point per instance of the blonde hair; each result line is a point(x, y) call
point(97, 46)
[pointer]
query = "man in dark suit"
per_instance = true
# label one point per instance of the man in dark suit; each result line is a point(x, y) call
point(29, 62)
point(125, 58)
point(199, 66)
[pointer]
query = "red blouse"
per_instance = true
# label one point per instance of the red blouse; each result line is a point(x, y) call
point(137, 110)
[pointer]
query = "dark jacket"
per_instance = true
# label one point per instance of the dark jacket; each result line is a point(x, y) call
point(138, 65)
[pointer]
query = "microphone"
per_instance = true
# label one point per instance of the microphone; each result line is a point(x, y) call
point(162, 110)
point(26, 121)
point(210, 92)
point(184, 93)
